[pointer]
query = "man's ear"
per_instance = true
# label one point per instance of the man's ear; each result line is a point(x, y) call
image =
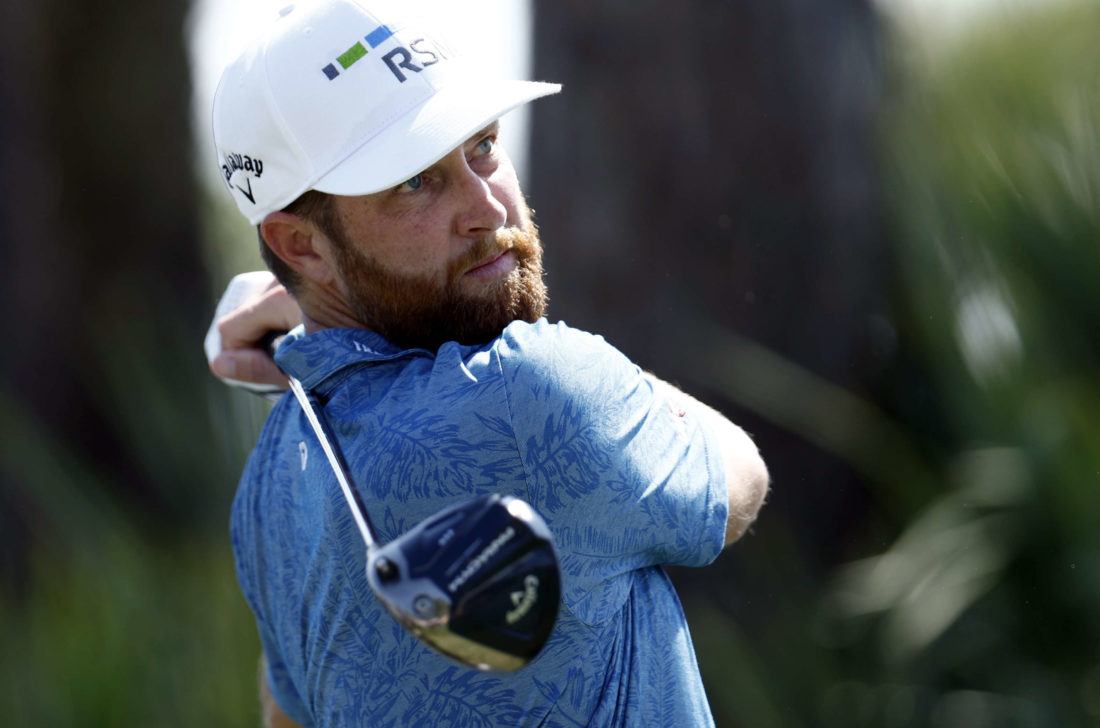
point(299, 244)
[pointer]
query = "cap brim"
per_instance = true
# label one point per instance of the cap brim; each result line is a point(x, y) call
point(427, 133)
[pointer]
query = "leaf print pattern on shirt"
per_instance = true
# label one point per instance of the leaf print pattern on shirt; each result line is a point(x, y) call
point(547, 412)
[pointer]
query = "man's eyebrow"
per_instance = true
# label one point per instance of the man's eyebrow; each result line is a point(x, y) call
point(487, 130)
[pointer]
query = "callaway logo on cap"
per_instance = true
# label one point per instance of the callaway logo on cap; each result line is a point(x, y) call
point(348, 98)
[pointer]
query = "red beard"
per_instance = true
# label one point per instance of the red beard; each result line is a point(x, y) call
point(417, 312)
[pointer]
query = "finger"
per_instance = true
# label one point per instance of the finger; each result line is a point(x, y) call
point(273, 310)
point(248, 365)
point(241, 289)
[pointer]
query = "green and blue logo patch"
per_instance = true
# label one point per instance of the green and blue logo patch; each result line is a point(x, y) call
point(375, 38)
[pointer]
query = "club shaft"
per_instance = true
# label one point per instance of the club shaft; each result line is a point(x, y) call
point(354, 505)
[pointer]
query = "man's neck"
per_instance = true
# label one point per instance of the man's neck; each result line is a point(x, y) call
point(326, 310)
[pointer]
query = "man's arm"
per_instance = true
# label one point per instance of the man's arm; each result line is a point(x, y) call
point(270, 308)
point(746, 475)
point(273, 715)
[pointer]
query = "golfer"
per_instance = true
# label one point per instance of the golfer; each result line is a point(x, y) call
point(368, 156)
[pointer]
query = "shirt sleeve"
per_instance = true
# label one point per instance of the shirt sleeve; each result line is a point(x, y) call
point(625, 478)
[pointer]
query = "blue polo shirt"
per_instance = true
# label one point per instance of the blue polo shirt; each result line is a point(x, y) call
point(626, 481)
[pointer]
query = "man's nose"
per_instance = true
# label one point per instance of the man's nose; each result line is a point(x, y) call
point(480, 212)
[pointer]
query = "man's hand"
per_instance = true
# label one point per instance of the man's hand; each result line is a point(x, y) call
point(253, 306)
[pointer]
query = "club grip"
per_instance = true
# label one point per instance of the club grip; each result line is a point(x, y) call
point(271, 341)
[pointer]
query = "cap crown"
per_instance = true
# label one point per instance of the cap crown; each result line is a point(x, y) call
point(326, 79)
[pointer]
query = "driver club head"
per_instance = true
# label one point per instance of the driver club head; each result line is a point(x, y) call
point(478, 581)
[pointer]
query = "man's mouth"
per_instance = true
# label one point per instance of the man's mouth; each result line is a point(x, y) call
point(495, 266)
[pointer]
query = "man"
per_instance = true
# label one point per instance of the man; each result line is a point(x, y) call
point(369, 159)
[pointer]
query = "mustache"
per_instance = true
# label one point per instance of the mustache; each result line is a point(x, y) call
point(523, 240)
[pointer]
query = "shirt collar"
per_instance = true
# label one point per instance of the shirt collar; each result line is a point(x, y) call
point(313, 358)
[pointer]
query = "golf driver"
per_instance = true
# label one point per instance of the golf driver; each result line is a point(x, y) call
point(478, 581)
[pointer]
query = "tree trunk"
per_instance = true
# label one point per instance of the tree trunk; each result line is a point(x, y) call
point(712, 163)
point(104, 291)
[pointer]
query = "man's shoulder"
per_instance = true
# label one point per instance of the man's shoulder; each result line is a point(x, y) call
point(543, 338)
point(556, 356)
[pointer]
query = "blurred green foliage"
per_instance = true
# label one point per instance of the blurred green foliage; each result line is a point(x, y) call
point(131, 635)
point(128, 617)
point(129, 613)
point(984, 607)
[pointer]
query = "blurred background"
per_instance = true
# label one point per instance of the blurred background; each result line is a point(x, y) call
point(867, 231)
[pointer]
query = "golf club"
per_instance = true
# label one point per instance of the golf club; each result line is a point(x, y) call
point(478, 581)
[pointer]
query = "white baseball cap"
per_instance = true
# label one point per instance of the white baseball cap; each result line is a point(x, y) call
point(350, 98)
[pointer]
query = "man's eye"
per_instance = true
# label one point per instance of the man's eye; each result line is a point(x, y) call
point(411, 185)
point(485, 146)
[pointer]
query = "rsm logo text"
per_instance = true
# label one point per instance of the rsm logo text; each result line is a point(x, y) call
point(419, 54)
